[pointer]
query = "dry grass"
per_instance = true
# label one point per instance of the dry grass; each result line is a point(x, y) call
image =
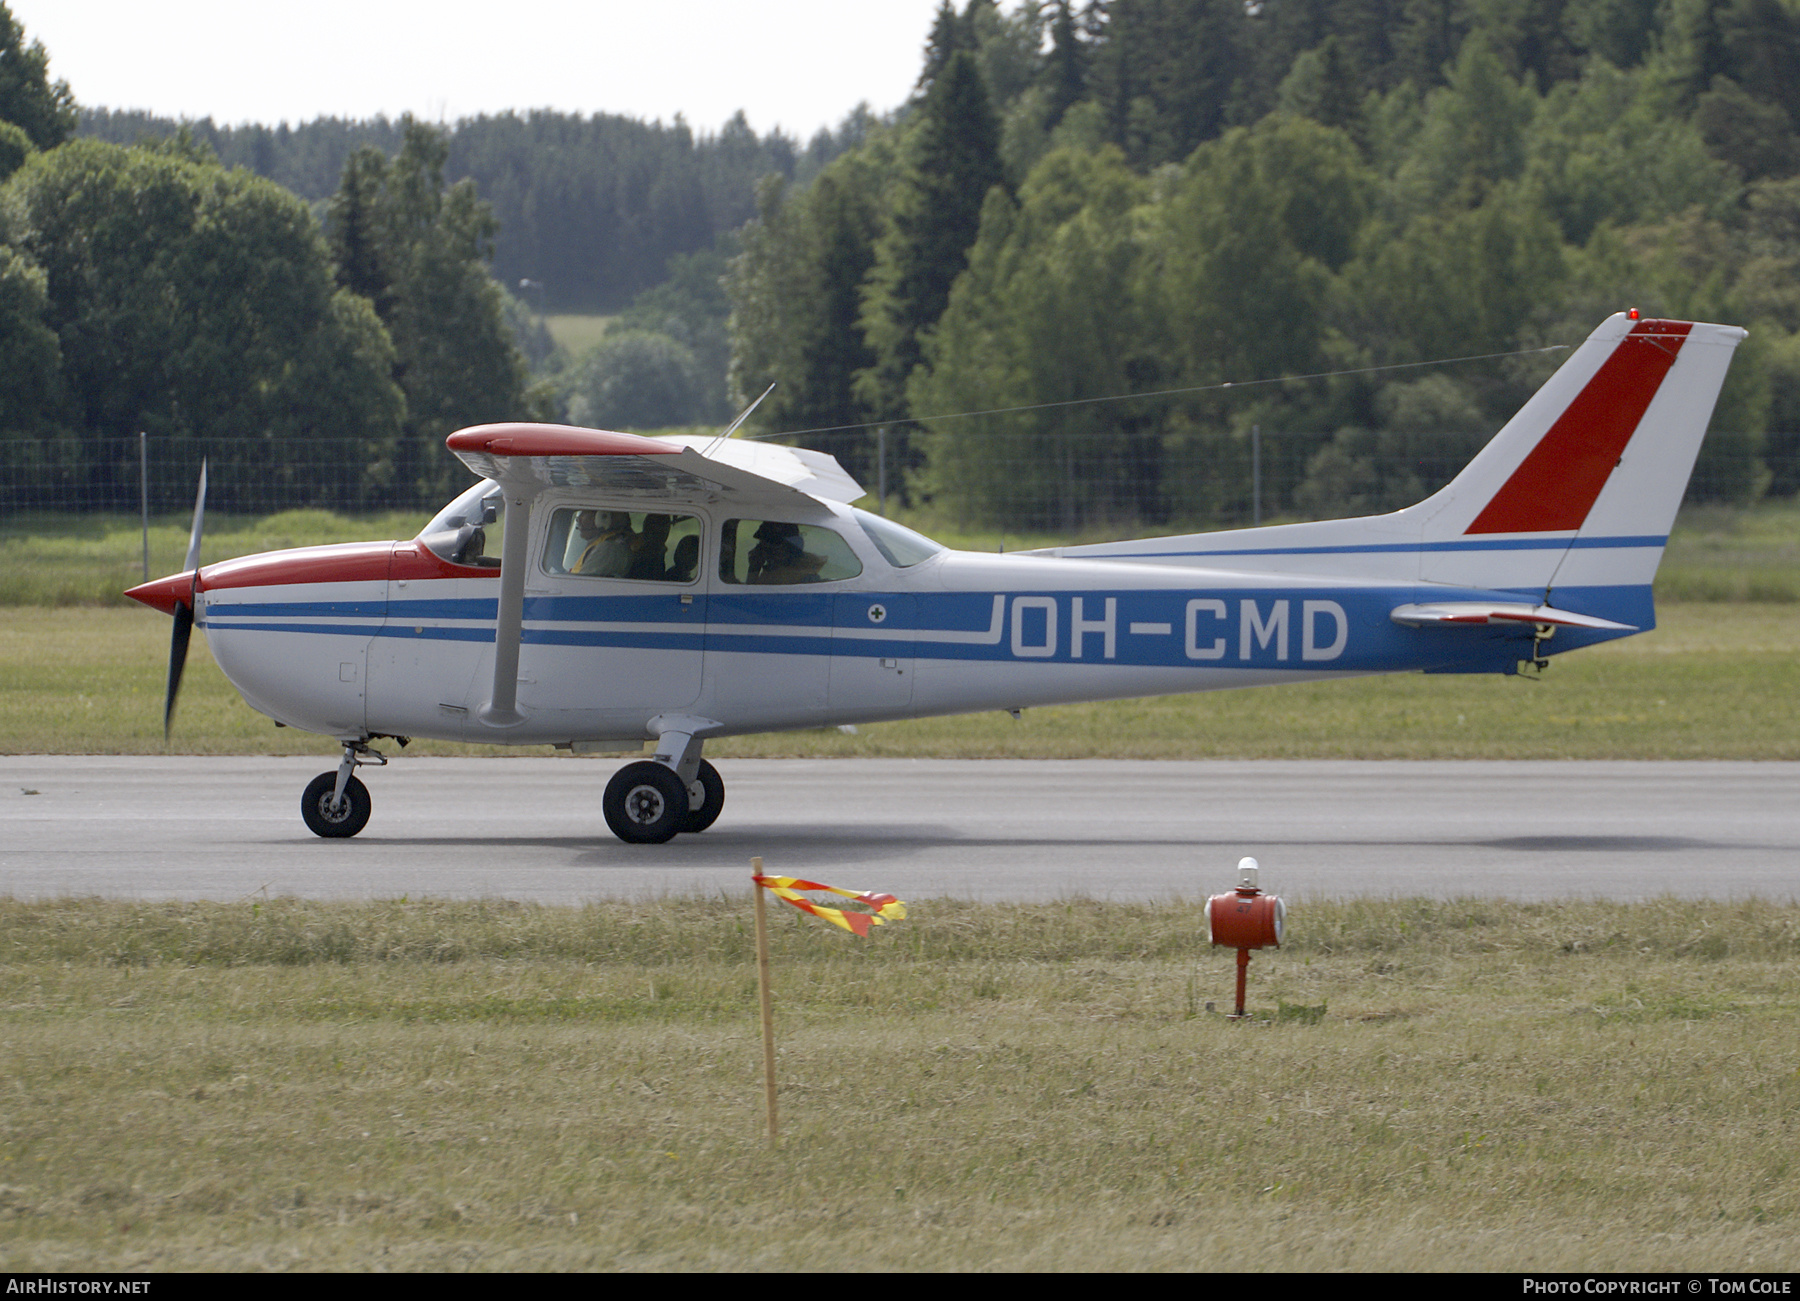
point(1431, 1085)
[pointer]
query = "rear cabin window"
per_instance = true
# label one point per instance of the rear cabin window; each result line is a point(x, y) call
point(645, 547)
point(776, 552)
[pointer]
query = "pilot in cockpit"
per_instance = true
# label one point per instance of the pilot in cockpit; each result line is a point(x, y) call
point(780, 556)
point(607, 539)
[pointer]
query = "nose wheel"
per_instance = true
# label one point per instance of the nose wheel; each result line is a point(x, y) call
point(330, 815)
point(336, 804)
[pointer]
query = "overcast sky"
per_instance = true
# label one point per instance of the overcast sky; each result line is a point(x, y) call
point(796, 64)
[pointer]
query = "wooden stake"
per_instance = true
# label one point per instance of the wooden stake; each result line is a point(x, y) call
point(768, 1010)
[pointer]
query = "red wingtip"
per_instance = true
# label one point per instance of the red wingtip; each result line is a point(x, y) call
point(165, 593)
point(554, 440)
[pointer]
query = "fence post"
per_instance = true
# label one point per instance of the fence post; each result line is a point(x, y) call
point(1255, 476)
point(144, 496)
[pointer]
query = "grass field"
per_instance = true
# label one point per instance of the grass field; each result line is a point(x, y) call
point(415, 1085)
point(575, 333)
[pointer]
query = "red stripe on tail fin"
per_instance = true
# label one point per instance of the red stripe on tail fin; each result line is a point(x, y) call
point(1558, 481)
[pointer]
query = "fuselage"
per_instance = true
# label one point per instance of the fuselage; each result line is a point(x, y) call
point(393, 638)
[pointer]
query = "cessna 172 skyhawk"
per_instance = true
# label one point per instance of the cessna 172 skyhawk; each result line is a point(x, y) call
point(677, 590)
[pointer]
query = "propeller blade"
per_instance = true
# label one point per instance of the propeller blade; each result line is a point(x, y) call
point(193, 551)
point(184, 613)
point(178, 648)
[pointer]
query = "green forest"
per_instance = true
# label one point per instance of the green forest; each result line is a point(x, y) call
point(1151, 195)
point(1198, 261)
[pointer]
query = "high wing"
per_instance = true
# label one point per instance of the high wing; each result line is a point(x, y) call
point(817, 474)
point(531, 458)
point(525, 459)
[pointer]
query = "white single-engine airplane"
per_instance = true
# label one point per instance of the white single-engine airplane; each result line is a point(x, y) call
point(681, 589)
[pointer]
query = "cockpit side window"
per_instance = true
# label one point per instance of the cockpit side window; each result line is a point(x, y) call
point(776, 552)
point(645, 546)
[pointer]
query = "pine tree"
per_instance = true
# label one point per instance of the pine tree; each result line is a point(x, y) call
point(954, 159)
point(950, 33)
point(1065, 71)
point(796, 303)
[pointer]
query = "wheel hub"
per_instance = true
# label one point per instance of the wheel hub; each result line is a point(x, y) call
point(644, 805)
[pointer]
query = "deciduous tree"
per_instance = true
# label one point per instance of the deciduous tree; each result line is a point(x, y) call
point(197, 305)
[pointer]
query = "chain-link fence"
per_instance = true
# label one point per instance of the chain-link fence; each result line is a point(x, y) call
point(1041, 484)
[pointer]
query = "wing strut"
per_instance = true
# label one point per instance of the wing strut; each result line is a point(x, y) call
point(502, 709)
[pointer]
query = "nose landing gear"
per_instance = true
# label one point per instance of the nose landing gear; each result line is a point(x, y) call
point(336, 805)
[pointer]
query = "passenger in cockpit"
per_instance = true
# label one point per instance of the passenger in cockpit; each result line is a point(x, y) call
point(650, 548)
point(687, 560)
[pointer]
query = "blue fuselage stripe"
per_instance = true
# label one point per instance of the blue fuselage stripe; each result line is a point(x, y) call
point(1334, 629)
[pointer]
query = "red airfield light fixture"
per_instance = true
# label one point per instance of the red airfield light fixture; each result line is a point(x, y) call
point(1246, 919)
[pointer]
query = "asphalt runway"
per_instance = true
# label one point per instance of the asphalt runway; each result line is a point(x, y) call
point(531, 828)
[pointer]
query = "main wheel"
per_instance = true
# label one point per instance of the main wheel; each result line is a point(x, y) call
point(645, 803)
point(347, 819)
point(712, 786)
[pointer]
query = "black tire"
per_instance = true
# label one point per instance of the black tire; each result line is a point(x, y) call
point(713, 799)
point(334, 824)
point(645, 803)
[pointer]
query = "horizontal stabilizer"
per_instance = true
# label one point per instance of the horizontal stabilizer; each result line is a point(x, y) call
point(1439, 614)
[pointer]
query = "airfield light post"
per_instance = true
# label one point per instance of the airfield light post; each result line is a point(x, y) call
point(1246, 919)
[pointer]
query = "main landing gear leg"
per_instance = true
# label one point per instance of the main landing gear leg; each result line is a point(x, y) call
point(336, 805)
point(650, 802)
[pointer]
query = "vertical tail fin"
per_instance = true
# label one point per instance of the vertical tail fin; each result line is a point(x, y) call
point(1579, 490)
point(1574, 496)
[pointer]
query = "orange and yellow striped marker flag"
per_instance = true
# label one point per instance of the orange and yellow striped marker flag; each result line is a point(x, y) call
point(884, 907)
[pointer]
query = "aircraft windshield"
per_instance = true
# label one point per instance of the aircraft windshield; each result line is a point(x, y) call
point(460, 532)
point(899, 545)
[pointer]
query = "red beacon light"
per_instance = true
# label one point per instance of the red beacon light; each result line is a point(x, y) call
point(1246, 919)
